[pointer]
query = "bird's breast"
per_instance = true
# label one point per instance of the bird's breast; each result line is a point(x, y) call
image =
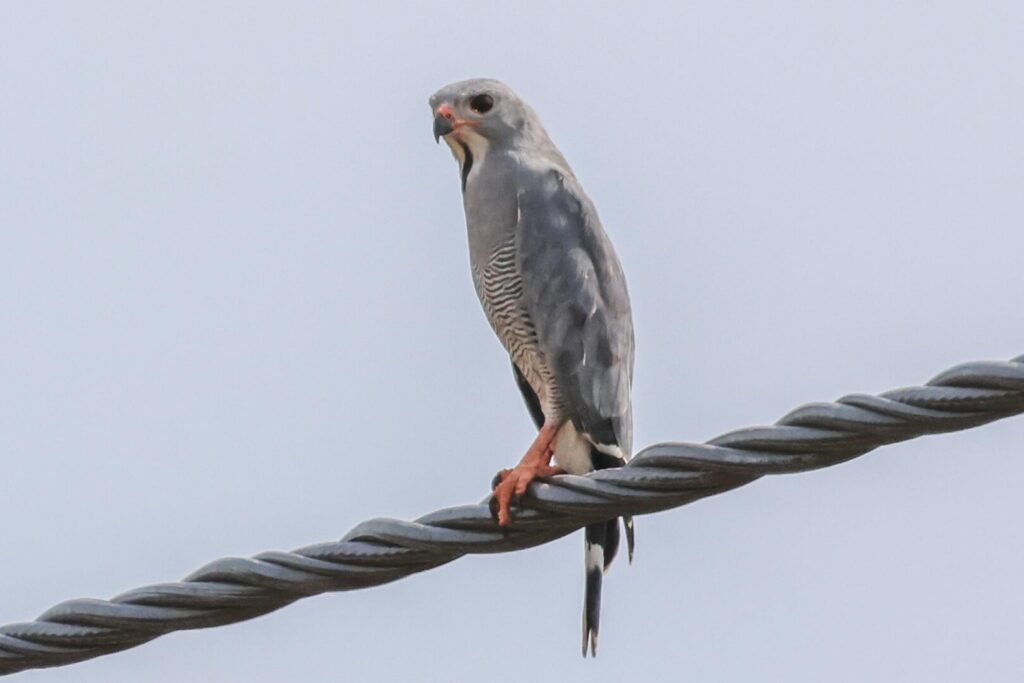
point(499, 285)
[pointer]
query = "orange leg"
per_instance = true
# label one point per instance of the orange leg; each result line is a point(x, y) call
point(536, 464)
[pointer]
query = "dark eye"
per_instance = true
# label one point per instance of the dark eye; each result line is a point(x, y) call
point(481, 104)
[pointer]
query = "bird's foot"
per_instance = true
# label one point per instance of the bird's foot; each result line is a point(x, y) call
point(509, 485)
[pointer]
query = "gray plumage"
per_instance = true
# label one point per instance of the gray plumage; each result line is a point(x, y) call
point(551, 286)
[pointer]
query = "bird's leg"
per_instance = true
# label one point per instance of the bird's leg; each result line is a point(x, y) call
point(536, 464)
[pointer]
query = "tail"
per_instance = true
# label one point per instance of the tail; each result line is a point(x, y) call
point(601, 546)
point(602, 541)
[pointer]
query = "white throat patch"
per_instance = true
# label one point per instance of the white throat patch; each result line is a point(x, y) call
point(467, 139)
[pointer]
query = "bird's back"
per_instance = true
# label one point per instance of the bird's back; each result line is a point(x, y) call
point(553, 290)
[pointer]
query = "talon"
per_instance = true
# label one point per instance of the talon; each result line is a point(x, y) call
point(513, 486)
point(503, 496)
point(509, 485)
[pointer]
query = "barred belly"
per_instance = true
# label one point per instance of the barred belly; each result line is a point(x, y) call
point(500, 288)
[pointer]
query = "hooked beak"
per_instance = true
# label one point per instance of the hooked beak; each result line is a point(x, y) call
point(446, 122)
point(442, 125)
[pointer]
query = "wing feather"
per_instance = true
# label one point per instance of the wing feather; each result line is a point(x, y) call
point(575, 294)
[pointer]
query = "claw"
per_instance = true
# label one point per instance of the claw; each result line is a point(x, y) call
point(509, 485)
point(513, 484)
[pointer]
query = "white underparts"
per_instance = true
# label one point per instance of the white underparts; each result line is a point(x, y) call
point(572, 449)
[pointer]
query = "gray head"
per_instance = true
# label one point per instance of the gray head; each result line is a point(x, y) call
point(484, 108)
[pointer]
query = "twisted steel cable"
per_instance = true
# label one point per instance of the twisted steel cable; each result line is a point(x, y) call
point(378, 551)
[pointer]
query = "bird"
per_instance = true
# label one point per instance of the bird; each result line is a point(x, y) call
point(553, 290)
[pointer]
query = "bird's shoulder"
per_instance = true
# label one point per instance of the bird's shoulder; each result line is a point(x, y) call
point(562, 245)
point(575, 293)
point(553, 211)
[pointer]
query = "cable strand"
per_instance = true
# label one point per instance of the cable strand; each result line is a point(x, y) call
point(379, 551)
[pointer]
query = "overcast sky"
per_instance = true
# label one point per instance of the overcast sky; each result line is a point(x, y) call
point(236, 315)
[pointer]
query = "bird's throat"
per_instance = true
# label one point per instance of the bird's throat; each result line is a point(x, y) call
point(467, 163)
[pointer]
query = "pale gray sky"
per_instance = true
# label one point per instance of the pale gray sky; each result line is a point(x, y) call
point(236, 315)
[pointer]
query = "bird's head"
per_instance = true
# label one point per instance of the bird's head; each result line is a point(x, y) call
point(479, 111)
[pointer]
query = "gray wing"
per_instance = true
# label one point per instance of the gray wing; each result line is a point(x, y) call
point(575, 293)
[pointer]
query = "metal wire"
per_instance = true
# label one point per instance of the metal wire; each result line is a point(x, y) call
point(378, 551)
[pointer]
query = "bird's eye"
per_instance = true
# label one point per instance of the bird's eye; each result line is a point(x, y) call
point(481, 104)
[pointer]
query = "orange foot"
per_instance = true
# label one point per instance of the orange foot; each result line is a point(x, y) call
point(536, 464)
point(510, 484)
